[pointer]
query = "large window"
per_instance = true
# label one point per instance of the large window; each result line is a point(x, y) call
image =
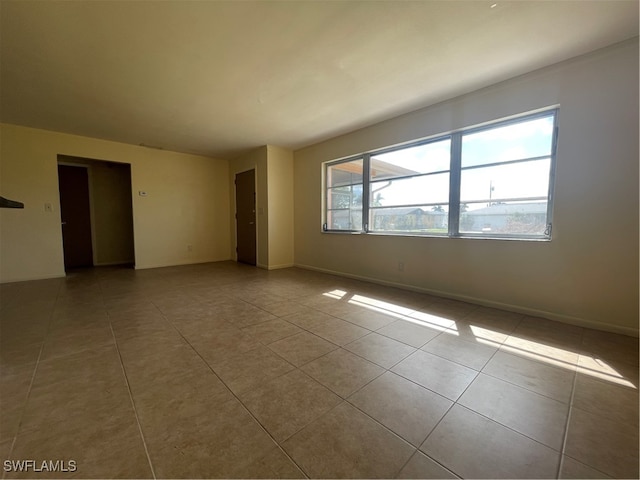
point(494, 181)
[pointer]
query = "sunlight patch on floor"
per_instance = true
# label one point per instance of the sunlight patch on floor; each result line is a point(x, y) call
point(527, 348)
point(337, 294)
point(430, 320)
point(380, 305)
point(598, 368)
point(422, 323)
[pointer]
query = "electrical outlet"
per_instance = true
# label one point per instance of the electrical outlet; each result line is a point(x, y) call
point(189, 248)
point(401, 266)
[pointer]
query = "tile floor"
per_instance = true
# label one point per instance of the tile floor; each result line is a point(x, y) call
point(225, 370)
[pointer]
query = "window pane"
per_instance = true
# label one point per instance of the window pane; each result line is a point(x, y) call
point(527, 139)
point(515, 180)
point(344, 197)
point(411, 191)
point(432, 157)
point(431, 220)
point(346, 173)
point(345, 219)
point(511, 218)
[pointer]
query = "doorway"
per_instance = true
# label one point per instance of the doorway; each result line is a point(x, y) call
point(108, 212)
point(76, 216)
point(246, 217)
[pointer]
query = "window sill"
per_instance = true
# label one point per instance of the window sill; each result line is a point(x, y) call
point(443, 236)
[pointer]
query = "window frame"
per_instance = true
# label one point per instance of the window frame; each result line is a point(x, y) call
point(327, 188)
point(455, 174)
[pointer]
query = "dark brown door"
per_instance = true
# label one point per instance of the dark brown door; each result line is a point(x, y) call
point(246, 217)
point(76, 217)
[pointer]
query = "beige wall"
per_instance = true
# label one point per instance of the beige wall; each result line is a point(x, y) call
point(112, 213)
point(274, 204)
point(187, 202)
point(588, 273)
point(254, 160)
point(280, 194)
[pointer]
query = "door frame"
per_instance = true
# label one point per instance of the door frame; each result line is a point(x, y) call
point(235, 212)
point(91, 205)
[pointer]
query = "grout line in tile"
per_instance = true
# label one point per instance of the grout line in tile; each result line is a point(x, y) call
point(522, 386)
point(453, 403)
point(371, 361)
point(376, 377)
point(506, 426)
point(238, 398)
point(433, 430)
point(415, 452)
point(454, 361)
point(404, 343)
point(299, 367)
point(133, 403)
point(420, 452)
point(512, 429)
point(380, 423)
point(345, 400)
point(569, 414)
point(33, 375)
point(277, 318)
point(208, 273)
point(24, 407)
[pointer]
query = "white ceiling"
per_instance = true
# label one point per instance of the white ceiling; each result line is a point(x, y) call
point(218, 78)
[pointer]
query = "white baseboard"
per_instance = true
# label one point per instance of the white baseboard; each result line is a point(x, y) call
point(182, 262)
point(31, 278)
point(274, 267)
point(278, 267)
point(580, 322)
point(109, 264)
